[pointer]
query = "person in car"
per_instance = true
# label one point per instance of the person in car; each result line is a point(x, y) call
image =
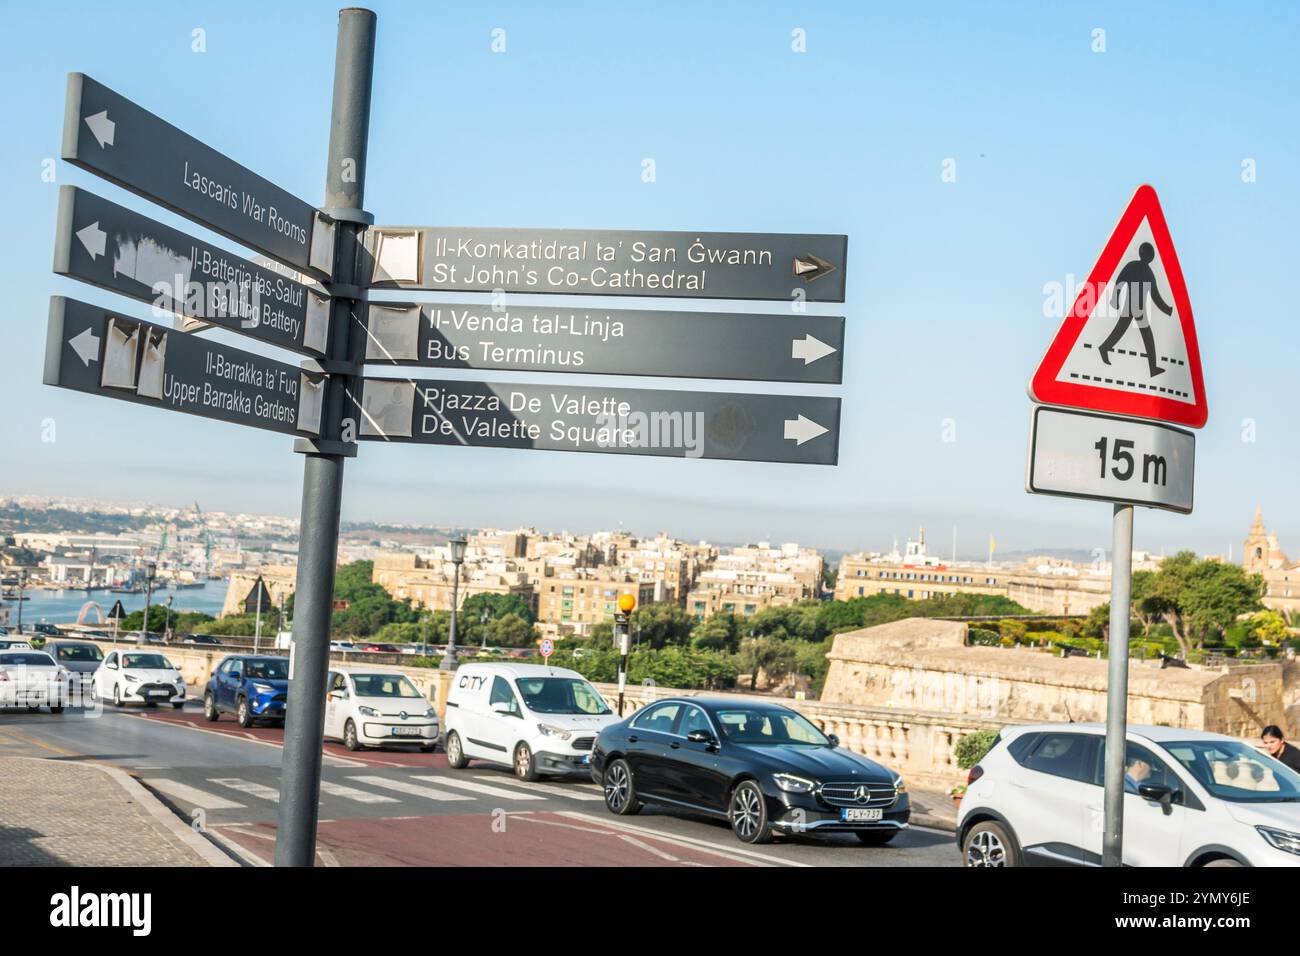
point(1136, 773)
point(1278, 748)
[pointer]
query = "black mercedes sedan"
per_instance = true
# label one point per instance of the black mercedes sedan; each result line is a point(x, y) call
point(761, 767)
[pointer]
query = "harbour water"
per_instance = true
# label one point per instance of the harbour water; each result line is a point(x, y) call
point(62, 607)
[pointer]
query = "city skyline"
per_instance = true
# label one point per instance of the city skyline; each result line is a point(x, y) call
point(1023, 216)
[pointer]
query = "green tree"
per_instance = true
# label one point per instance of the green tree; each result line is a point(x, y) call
point(717, 632)
point(497, 605)
point(1199, 599)
point(662, 624)
point(1268, 627)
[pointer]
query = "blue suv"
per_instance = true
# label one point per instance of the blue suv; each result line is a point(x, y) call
point(251, 687)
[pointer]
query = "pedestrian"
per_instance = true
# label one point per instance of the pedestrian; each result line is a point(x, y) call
point(1279, 749)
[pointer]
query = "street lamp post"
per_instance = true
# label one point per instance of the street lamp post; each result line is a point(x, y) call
point(150, 571)
point(22, 584)
point(167, 627)
point(449, 662)
point(483, 621)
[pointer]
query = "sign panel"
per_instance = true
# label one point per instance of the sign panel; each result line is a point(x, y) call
point(1081, 455)
point(110, 246)
point(1128, 346)
point(777, 348)
point(627, 421)
point(90, 349)
point(699, 265)
point(114, 138)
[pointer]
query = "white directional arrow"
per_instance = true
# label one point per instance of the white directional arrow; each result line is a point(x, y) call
point(810, 349)
point(86, 345)
point(800, 430)
point(94, 239)
point(102, 127)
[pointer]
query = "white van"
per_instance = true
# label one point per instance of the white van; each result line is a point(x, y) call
point(534, 718)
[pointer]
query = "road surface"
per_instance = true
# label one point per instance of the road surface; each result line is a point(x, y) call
point(398, 808)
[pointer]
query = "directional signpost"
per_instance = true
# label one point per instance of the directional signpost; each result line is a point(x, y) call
point(696, 265)
point(112, 137)
point(1126, 369)
point(90, 349)
point(110, 246)
point(629, 421)
point(722, 345)
point(330, 405)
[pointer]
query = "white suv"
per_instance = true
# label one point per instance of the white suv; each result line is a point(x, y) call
point(1192, 798)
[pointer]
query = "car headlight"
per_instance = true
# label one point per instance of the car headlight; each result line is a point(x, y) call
point(263, 688)
point(1281, 839)
point(367, 711)
point(431, 713)
point(131, 678)
point(900, 785)
point(792, 784)
point(550, 730)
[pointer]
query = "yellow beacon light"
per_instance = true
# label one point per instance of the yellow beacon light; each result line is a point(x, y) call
point(626, 602)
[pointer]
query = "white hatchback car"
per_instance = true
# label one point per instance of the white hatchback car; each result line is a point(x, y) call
point(378, 708)
point(31, 679)
point(1192, 798)
point(139, 677)
point(532, 717)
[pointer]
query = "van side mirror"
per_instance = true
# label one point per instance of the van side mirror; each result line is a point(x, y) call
point(503, 707)
point(236, 675)
point(835, 741)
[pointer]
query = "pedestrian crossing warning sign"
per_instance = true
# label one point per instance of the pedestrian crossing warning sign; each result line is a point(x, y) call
point(1128, 345)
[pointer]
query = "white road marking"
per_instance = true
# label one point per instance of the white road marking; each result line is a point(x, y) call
point(352, 793)
point(734, 853)
point(648, 848)
point(573, 793)
point(482, 788)
point(261, 791)
point(192, 795)
point(415, 789)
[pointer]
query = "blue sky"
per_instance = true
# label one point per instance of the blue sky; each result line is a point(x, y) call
point(945, 279)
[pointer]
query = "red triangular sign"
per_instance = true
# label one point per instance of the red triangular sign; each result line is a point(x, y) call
point(1128, 346)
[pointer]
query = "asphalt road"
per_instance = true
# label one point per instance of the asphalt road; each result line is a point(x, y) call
point(403, 807)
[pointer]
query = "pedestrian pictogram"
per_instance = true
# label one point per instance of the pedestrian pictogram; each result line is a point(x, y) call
point(1128, 346)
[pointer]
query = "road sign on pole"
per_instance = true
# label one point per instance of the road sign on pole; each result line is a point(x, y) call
point(773, 428)
point(699, 265)
point(112, 137)
point(90, 349)
point(1079, 455)
point(110, 246)
point(1128, 346)
point(722, 345)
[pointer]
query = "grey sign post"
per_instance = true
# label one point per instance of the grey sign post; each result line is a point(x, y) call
point(622, 421)
point(721, 345)
point(110, 136)
point(322, 480)
point(110, 246)
point(697, 265)
point(103, 352)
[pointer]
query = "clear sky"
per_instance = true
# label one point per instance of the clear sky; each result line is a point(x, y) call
point(945, 301)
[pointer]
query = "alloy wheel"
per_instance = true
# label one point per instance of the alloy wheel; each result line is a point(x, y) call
point(985, 849)
point(745, 812)
point(523, 760)
point(616, 787)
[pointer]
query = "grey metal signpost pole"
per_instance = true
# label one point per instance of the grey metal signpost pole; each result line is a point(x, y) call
point(1121, 586)
point(322, 487)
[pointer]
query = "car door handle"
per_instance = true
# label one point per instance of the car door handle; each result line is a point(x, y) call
point(675, 745)
point(632, 739)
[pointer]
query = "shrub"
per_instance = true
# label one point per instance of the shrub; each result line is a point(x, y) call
point(972, 748)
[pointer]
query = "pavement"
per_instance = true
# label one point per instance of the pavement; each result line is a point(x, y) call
point(400, 807)
point(57, 812)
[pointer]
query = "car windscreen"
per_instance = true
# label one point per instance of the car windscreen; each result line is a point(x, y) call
point(384, 685)
point(25, 659)
point(267, 669)
point(766, 725)
point(1234, 771)
point(560, 695)
point(78, 652)
point(146, 662)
